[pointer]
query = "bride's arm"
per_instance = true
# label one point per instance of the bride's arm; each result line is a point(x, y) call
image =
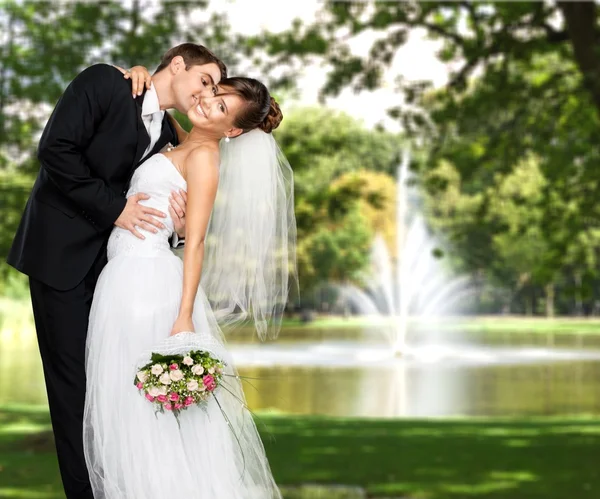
point(202, 181)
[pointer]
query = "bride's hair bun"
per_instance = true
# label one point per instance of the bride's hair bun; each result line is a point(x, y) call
point(272, 120)
point(260, 109)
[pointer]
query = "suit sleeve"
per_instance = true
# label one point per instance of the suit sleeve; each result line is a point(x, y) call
point(176, 241)
point(70, 129)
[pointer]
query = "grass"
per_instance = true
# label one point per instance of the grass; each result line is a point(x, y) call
point(547, 458)
point(509, 324)
point(17, 315)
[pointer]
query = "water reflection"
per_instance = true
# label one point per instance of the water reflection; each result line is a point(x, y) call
point(539, 389)
point(397, 389)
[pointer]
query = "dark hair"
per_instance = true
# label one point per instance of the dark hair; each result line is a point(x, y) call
point(193, 55)
point(261, 111)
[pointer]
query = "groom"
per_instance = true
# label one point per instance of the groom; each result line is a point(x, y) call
point(94, 140)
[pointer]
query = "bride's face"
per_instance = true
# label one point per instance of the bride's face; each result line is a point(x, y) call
point(215, 112)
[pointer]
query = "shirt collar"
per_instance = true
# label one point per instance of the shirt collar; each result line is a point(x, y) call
point(150, 104)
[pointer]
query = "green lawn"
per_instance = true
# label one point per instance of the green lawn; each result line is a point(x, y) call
point(509, 324)
point(433, 459)
point(16, 314)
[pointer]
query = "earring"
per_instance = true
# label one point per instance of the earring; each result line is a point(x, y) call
point(226, 138)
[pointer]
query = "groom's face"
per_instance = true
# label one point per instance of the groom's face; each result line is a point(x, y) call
point(190, 84)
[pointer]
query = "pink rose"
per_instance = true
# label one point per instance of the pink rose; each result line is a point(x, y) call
point(209, 382)
point(178, 406)
point(168, 407)
point(173, 367)
point(189, 401)
point(173, 397)
point(149, 397)
point(140, 386)
point(161, 398)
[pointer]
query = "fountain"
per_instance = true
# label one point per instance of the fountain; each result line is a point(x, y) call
point(416, 288)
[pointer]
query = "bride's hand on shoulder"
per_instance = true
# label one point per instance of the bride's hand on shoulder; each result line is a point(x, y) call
point(139, 76)
point(183, 324)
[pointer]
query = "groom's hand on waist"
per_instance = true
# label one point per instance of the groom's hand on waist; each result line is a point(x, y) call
point(177, 209)
point(136, 215)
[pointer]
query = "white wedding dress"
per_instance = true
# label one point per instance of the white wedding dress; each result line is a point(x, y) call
point(131, 452)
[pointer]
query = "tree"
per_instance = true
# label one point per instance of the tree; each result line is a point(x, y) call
point(474, 35)
point(339, 251)
point(539, 90)
point(343, 191)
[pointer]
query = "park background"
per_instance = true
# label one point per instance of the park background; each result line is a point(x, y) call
point(445, 342)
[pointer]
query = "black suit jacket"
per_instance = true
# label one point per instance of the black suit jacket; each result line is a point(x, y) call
point(90, 147)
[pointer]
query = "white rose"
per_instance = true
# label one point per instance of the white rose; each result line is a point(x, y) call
point(211, 370)
point(201, 387)
point(142, 376)
point(162, 390)
point(192, 386)
point(197, 369)
point(176, 375)
point(219, 369)
point(164, 379)
point(157, 369)
point(188, 361)
point(155, 391)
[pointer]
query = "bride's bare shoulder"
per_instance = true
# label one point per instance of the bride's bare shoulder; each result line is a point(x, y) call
point(202, 163)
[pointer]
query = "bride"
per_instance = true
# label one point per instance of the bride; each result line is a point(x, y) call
point(239, 247)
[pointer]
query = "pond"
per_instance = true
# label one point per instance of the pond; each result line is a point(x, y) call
point(346, 372)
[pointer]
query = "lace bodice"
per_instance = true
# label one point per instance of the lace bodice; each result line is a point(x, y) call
point(157, 177)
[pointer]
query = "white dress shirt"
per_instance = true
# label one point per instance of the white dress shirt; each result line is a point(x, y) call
point(152, 116)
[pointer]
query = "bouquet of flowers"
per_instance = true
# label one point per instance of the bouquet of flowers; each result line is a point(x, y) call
point(175, 381)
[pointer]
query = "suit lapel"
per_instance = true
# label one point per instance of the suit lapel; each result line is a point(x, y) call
point(143, 137)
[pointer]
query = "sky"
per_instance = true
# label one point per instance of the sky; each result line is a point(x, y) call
point(416, 60)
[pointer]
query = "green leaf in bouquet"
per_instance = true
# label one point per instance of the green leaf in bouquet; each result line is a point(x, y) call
point(158, 358)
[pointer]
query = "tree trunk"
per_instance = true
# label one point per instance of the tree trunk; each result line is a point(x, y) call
point(7, 55)
point(578, 295)
point(129, 56)
point(528, 305)
point(580, 18)
point(549, 289)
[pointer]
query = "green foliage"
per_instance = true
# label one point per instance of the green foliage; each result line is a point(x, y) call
point(322, 144)
point(344, 193)
point(524, 86)
point(337, 252)
point(14, 189)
